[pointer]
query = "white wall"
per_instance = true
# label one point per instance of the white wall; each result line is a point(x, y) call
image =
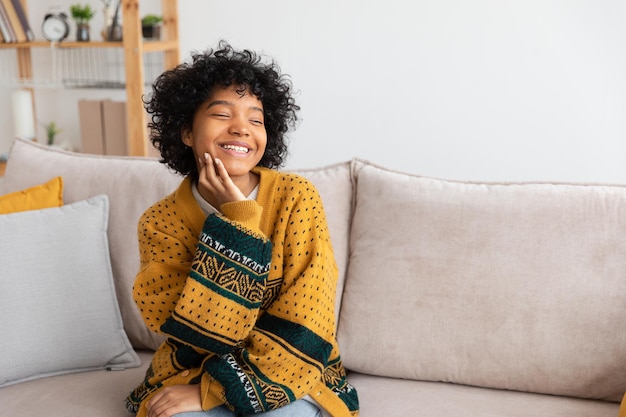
point(480, 90)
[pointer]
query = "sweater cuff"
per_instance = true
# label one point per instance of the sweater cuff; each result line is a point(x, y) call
point(247, 213)
point(207, 398)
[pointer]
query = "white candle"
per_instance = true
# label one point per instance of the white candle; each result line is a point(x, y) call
point(23, 116)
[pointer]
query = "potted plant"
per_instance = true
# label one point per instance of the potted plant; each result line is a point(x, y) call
point(82, 14)
point(51, 131)
point(151, 26)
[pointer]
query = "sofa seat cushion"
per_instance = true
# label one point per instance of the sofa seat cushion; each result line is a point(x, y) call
point(94, 393)
point(512, 286)
point(389, 397)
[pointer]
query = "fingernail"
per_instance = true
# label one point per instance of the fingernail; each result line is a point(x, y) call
point(206, 155)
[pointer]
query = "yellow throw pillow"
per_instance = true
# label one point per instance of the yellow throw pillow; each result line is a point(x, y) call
point(38, 197)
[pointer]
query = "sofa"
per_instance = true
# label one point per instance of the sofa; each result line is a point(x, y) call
point(455, 298)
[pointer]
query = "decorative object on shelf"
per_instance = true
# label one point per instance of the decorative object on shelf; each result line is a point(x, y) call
point(23, 115)
point(130, 65)
point(108, 19)
point(151, 26)
point(112, 30)
point(52, 129)
point(82, 14)
point(55, 26)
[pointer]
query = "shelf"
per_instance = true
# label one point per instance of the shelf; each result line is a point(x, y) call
point(136, 55)
point(147, 46)
point(78, 66)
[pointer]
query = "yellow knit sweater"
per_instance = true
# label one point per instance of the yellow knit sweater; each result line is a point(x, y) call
point(246, 299)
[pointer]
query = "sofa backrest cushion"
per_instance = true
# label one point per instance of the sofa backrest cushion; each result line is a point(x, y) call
point(132, 185)
point(334, 184)
point(514, 286)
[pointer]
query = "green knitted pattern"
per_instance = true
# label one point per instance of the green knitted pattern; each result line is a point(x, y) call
point(238, 275)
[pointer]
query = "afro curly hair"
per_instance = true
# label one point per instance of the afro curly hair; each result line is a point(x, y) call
point(177, 93)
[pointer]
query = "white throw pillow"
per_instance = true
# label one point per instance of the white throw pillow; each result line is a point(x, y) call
point(57, 299)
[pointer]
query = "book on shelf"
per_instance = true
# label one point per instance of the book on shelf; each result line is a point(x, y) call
point(5, 25)
point(14, 21)
point(21, 14)
point(14, 26)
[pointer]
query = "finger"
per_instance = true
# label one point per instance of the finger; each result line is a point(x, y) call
point(155, 404)
point(211, 173)
point(227, 183)
point(233, 192)
point(201, 167)
point(160, 407)
point(221, 171)
point(152, 401)
point(207, 160)
point(207, 175)
point(202, 163)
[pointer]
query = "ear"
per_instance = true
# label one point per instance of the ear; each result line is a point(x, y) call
point(185, 136)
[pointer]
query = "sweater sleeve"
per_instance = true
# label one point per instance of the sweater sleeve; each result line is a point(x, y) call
point(220, 301)
point(166, 249)
point(292, 343)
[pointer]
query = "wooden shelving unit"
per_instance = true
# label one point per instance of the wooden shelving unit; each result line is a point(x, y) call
point(134, 48)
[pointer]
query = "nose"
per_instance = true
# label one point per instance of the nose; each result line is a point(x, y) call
point(238, 127)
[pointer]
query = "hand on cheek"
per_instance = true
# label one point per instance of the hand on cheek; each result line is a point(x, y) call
point(214, 183)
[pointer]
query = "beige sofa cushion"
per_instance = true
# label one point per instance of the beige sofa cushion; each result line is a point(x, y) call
point(394, 397)
point(515, 286)
point(132, 185)
point(85, 394)
point(334, 184)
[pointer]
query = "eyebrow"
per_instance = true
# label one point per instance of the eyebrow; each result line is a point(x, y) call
point(230, 103)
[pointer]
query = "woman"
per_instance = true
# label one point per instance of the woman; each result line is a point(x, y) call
point(237, 267)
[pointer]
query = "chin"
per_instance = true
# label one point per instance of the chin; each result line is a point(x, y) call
point(238, 170)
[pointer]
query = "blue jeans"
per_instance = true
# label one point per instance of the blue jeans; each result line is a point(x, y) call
point(300, 408)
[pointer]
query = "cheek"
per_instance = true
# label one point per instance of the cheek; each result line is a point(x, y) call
point(263, 141)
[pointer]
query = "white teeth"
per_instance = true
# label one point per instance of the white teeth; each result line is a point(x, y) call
point(235, 148)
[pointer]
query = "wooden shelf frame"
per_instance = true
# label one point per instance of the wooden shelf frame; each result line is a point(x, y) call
point(134, 48)
point(148, 46)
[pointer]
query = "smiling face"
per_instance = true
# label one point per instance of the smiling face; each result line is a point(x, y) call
point(229, 126)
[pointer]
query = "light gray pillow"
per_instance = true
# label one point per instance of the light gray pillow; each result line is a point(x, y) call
point(132, 184)
point(58, 309)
